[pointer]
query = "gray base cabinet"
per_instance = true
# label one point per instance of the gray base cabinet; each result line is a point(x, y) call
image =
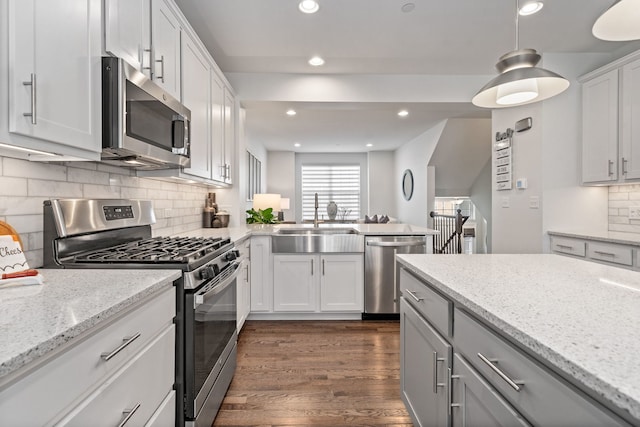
point(425, 361)
point(455, 370)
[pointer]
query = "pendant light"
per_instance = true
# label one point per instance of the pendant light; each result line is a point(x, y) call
point(621, 22)
point(520, 82)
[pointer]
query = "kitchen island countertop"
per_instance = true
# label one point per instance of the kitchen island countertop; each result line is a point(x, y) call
point(36, 320)
point(580, 318)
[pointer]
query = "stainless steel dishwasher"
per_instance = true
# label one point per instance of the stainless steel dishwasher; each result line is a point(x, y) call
point(381, 278)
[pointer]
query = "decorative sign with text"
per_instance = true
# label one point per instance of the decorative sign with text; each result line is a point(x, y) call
point(502, 147)
point(12, 257)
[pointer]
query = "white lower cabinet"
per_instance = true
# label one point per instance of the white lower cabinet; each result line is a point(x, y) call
point(615, 254)
point(244, 283)
point(318, 282)
point(261, 276)
point(100, 376)
point(474, 377)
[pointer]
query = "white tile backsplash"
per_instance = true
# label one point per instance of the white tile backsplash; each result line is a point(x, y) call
point(621, 198)
point(24, 186)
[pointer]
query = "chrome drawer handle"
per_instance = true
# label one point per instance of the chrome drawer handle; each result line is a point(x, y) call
point(624, 166)
point(565, 246)
point(609, 169)
point(517, 386)
point(125, 342)
point(128, 414)
point(436, 384)
point(604, 253)
point(161, 76)
point(450, 378)
point(414, 296)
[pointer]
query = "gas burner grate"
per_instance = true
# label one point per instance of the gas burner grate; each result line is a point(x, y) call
point(157, 250)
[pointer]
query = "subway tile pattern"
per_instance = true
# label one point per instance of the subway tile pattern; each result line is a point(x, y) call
point(24, 186)
point(621, 198)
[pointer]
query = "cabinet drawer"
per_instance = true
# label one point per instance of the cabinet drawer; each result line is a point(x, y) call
point(543, 398)
point(165, 415)
point(140, 386)
point(610, 253)
point(68, 377)
point(435, 308)
point(568, 246)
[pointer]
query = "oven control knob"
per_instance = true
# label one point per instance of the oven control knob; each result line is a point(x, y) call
point(216, 269)
point(207, 273)
point(231, 255)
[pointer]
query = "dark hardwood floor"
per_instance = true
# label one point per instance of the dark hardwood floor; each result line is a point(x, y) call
point(316, 373)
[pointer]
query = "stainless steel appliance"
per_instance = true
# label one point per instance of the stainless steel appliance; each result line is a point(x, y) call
point(381, 277)
point(80, 233)
point(143, 127)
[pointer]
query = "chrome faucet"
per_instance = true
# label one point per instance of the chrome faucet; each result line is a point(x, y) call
point(315, 215)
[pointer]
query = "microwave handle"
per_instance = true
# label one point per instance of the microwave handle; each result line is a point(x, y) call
point(181, 133)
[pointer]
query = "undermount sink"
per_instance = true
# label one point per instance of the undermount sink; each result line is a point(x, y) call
point(316, 240)
point(310, 231)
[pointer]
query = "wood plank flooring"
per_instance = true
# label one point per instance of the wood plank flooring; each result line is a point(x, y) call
point(316, 373)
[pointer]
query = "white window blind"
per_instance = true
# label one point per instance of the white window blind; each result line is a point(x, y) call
point(337, 183)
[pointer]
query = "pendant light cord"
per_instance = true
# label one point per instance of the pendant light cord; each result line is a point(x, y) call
point(517, 29)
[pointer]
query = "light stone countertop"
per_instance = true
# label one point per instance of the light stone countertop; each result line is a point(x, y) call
point(603, 236)
point(237, 234)
point(581, 317)
point(38, 319)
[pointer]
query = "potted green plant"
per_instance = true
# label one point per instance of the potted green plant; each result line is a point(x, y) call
point(261, 216)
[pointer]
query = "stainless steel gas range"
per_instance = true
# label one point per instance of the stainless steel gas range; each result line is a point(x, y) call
point(106, 233)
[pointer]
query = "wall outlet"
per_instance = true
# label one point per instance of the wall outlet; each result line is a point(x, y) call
point(634, 212)
point(168, 212)
point(504, 202)
point(534, 202)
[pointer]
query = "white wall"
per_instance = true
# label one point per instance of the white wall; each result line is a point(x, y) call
point(481, 197)
point(382, 184)
point(549, 156)
point(415, 155)
point(281, 178)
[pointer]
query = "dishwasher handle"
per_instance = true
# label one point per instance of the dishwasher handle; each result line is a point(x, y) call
point(402, 244)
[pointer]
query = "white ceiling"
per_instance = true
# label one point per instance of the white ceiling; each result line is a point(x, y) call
point(439, 37)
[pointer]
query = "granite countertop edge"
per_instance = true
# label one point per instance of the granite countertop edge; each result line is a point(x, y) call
point(548, 356)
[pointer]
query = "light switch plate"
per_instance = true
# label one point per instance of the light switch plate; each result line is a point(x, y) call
point(534, 202)
point(634, 212)
point(504, 202)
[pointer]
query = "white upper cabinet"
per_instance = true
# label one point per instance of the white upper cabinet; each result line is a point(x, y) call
point(600, 128)
point(165, 40)
point(196, 96)
point(611, 122)
point(229, 134)
point(54, 73)
point(630, 127)
point(217, 127)
point(127, 31)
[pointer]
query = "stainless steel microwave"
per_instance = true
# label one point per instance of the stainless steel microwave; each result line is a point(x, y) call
point(143, 127)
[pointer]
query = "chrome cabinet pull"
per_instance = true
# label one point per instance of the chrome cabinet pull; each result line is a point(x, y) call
point(323, 267)
point(436, 384)
point(161, 61)
point(125, 342)
point(128, 414)
point(246, 270)
point(450, 378)
point(564, 246)
point(142, 61)
point(517, 386)
point(312, 267)
point(32, 114)
point(414, 296)
point(624, 165)
point(604, 253)
point(610, 168)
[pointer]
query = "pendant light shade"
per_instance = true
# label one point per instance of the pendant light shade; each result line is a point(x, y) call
point(621, 22)
point(520, 82)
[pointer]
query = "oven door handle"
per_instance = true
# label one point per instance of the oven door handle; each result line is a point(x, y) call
point(199, 297)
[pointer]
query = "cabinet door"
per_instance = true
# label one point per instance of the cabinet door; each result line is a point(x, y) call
point(54, 89)
point(261, 274)
point(165, 41)
point(217, 128)
point(342, 282)
point(630, 127)
point(425, 358)
point(229, 134)
point(244, 284)
point(294, 282)
point(196, 97)
point(600, 128)
point(476, 403)
point(127, 31)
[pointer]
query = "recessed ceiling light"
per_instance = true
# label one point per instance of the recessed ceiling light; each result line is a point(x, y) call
point(403, 113)
point(297, 144)
point(291, 112)
point(408, 7)
point(308, 6)
point(316, 61)
point(369, 145)
point(530, 7)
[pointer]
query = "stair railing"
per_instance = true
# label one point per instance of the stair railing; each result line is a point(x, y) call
point(449, 241)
